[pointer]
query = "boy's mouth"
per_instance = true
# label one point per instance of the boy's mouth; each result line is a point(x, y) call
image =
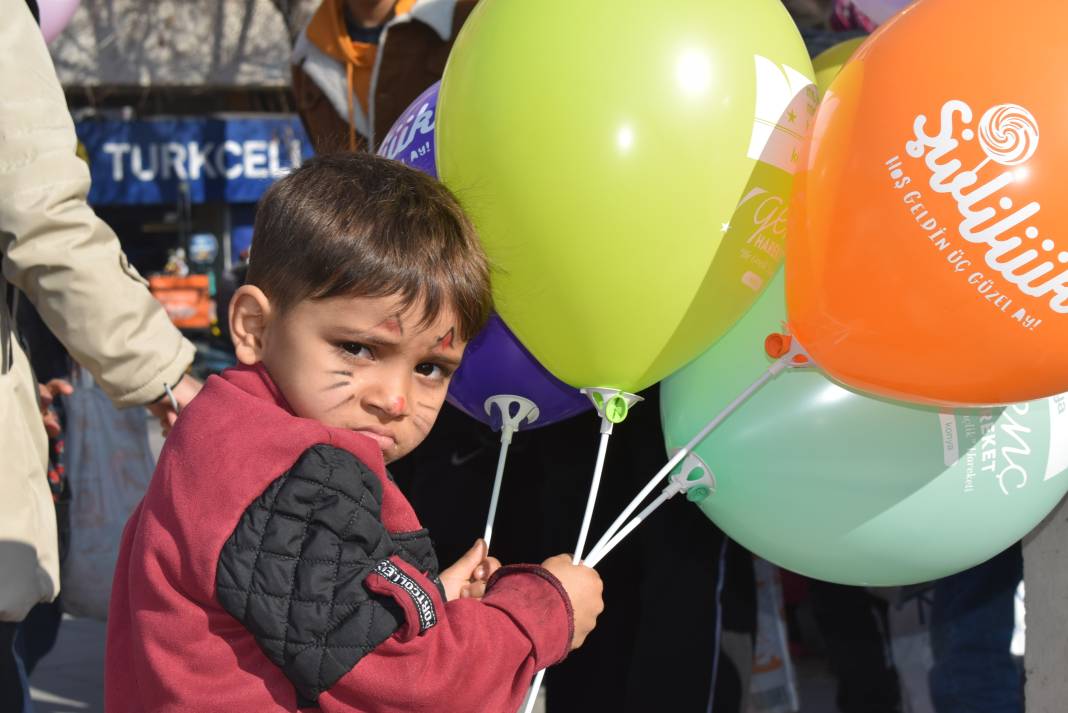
point(384, 437)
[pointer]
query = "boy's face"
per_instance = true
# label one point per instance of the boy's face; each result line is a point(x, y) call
point(365, 364)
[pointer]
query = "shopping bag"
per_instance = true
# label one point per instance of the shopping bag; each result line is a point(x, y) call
point(108, 464)
point(909, 615)
point(773, 685)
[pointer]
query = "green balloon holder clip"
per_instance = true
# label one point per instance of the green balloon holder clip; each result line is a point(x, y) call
point(612, 405)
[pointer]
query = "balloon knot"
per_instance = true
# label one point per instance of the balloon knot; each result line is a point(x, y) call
point(778, 345)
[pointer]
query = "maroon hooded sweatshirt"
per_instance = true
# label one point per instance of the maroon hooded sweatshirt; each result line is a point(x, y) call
point(273, 565)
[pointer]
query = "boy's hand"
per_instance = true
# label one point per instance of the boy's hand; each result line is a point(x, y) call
point(468, 577)
point(583, 586)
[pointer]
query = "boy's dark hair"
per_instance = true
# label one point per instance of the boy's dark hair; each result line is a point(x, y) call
point(361, 225)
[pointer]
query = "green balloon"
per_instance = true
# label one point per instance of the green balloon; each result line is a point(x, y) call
point(848, 488)
point(627, 166)
point(828, 64)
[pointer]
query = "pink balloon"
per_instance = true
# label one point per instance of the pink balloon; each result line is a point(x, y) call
point(55, 14)
point(881, 10)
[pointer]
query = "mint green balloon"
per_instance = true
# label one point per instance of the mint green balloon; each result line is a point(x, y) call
point(848, 488)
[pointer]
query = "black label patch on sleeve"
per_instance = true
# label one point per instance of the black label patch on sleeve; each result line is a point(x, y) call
point(423, 603)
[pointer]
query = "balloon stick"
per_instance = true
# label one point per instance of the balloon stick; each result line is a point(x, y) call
point(612, 406)
point(491, 516)
point(525, 411)
point(695, 479)
point(532, 695)
point(790, 354)
point(591, 499)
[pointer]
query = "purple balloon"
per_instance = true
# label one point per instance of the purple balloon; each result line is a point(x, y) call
point(495, 363)
point(411, 138)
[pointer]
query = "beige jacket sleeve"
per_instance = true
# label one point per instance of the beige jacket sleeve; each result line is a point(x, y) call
point(66, 260)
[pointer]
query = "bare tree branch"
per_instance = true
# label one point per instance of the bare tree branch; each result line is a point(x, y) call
point(181, 42)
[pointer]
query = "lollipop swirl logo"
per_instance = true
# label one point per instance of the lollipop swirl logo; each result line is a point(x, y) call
point(980, 165)
point(1008, 134)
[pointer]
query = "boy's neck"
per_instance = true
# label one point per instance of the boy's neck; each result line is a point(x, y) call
point(368, 13)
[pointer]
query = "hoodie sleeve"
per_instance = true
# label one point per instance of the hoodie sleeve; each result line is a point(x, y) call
point(354, 615)
point(55, 249)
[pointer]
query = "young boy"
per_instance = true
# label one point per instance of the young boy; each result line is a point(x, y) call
point(273, 564)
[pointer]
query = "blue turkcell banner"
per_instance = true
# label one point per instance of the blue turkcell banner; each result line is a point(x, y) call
point(217, 159)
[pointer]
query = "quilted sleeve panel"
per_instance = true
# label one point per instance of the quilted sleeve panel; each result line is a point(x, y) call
point(293, 570)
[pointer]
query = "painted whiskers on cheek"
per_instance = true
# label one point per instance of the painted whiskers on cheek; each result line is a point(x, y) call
point(424, 422)
point(425, 414)
point(339, 384)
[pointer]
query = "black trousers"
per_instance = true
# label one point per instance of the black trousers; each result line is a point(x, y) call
point(855, 626)
point(12, 691)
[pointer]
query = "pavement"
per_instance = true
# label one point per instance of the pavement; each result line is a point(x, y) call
point(70, 678)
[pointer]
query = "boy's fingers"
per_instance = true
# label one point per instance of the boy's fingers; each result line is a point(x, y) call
point(475, 590)
point(473, 557)
point(486, 569)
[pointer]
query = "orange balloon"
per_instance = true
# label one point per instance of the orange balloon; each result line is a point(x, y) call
point(927, 253)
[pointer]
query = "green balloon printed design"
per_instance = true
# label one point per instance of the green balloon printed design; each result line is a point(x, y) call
point(848, 488)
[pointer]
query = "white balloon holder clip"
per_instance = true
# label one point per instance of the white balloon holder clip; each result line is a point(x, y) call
point(694, 478)
point(787, 351)
point(515, 412)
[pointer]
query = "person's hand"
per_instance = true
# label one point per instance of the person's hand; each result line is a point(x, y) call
point(48, 393)
point(163, 409)
point(583, 586)
point(468, 577)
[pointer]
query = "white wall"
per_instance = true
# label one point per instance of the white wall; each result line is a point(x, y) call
point(1046, 574)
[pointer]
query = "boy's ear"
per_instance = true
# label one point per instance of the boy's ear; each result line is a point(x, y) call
point(250, 310)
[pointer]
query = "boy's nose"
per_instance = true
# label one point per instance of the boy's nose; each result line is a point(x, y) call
point(397, 406)
point(391, 401)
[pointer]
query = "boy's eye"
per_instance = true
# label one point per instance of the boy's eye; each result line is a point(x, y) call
point(432, 371)
point(357, 350)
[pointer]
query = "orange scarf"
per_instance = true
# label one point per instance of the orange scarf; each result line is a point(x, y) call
point(327, 32)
